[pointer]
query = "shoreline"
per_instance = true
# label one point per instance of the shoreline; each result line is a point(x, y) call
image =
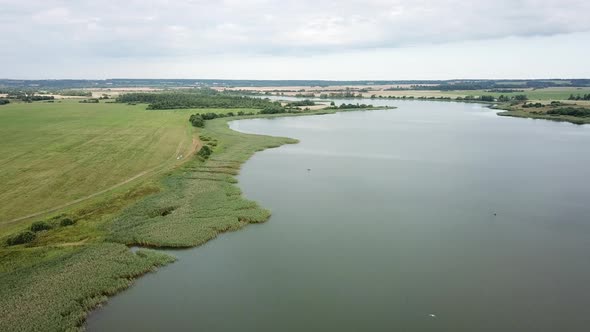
point(75, 284)
point(201, 190)
point(225, 127)
point(220, 208)
point(527, 115)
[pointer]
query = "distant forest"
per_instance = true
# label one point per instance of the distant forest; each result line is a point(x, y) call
point(200, 98)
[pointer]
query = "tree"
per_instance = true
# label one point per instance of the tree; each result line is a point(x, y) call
point(197, 121)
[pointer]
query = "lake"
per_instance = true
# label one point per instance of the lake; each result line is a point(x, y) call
point(435, 216)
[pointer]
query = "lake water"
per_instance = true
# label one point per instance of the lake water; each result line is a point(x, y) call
point(391, 229)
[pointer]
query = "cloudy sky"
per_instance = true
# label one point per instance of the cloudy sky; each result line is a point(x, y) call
point(295, 39)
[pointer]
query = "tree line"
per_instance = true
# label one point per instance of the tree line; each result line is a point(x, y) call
point(349, 106)
point(201, 99)
point(579, 97)
point(571, 111)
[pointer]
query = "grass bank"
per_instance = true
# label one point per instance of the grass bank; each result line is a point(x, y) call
point(556, 111)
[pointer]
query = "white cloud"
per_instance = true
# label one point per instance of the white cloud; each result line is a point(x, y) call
point(161, 30)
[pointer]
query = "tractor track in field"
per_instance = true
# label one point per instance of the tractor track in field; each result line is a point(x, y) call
point(195, 146)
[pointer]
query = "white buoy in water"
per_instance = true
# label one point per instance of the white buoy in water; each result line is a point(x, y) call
point(432, 315)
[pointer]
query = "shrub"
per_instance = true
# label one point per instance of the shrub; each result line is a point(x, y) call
point(210, 116)
point(40, 226)
point(163, 211)
point(205, 151)
point(305, 102)
point(67, 222)
point(571, 111)
point(197, 120)
point(274, 109)
point(21, 238)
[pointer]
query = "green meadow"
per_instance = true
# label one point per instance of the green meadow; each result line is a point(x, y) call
point(538, 94)
point(54, 153)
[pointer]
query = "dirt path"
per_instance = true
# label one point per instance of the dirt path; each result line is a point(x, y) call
point(196, 144)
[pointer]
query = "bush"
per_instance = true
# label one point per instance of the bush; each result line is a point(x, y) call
point(210, 116)
point(67, 222)
point(163, 211)
point(305, 102)
point(21, 238)
point(197, 120)
point(39, 226)
point(274, 109)
point(89, 101)
point(205, 151)
point(571, 111)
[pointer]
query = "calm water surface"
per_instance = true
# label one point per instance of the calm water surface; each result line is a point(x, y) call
point(392, 229)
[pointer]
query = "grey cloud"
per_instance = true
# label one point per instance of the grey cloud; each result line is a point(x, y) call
point(160, 28)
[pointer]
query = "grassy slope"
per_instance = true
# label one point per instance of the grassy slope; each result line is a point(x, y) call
point(53, 153)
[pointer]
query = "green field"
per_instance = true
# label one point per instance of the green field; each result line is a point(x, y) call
point(539, 94)
point(55, 153)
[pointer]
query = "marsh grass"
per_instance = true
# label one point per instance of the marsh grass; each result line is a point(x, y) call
point(204, 191)
point(56, 294)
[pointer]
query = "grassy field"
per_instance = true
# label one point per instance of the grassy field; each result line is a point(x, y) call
point(55, 153)
point(539, 94)
point(545, 111)
point(546, 94)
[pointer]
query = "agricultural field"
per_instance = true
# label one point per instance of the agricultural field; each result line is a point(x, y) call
point(56, 153)
point(538, 94)
point(544, 94)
